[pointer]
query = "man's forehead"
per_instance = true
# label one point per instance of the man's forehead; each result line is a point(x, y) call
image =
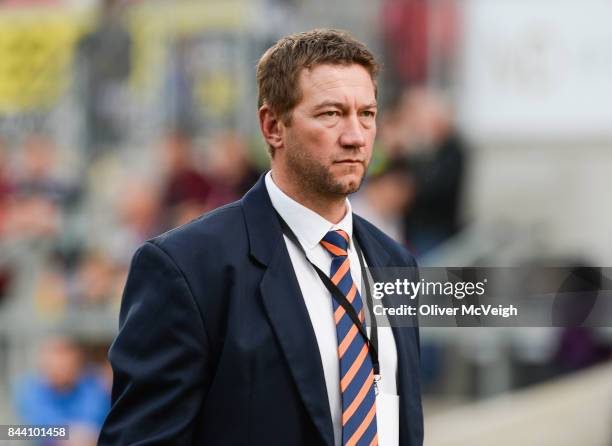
point(325, 78)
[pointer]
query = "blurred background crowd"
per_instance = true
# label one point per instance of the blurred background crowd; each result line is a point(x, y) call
point(120, 120)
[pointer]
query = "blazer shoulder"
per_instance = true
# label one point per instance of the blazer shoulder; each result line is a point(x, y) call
point(218, 227)
point(397, 251)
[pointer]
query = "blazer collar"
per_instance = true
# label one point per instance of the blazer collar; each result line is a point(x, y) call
point(376, 255)
point(264, 230)
point(308, 226)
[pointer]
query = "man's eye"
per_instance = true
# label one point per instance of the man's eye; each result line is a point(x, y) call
point(330, 113)
point(367, 113)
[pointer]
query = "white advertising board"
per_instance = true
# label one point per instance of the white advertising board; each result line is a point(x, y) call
point(536, 69)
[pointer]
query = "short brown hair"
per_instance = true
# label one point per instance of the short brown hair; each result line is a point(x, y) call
point(279, 68)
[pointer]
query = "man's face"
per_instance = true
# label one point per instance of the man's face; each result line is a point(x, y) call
point(327, 144)
point(60, 361)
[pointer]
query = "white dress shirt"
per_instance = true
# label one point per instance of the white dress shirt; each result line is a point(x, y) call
point(309, 228)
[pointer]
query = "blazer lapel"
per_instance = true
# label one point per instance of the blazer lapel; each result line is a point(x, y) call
point(289, 317)
point(284, 304)
point(378, 257)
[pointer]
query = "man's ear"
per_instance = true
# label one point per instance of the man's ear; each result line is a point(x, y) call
point(271, 127)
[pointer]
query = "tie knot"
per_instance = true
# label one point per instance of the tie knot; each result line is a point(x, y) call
point(336, 242)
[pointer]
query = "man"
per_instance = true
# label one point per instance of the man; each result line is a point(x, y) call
point(228, 336)
point(63, 391)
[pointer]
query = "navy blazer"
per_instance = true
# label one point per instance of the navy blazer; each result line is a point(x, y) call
point(216, 347)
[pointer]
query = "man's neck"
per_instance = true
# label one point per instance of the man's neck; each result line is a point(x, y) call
point(331, 208)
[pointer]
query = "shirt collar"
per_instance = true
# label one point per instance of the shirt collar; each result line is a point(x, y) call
point(308, 226)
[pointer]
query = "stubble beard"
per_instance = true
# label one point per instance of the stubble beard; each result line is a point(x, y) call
point(314, 178)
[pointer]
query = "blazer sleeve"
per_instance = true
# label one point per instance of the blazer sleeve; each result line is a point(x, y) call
point(159, 357)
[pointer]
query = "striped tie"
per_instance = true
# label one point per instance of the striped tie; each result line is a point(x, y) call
point(356, 374)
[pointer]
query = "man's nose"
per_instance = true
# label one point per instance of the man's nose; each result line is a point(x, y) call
point(353, 135)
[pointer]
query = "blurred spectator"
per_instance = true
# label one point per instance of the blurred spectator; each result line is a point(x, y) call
point(392, 133)
point(384, 197)
point(180, 83)
point(104, 63)
point(5, 191)
point(413, 32)
point(37, 171)
point(138, 211)
point(94, 280)
point(424, 136)
point(63, 391)
point(579, 346)
point(31, 217)
point(50, 293)
point(405, 36)
point(187, 191)
point(231, 167)
point(38, 195)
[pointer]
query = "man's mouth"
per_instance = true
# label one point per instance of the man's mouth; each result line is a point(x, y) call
point(349, 162)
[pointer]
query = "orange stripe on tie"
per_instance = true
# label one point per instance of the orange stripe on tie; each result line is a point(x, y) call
point(350, 374)
point(358, 399)
point(334, 249)
point(347, 341)
point(374, 440)
point(362, 427)
point(339, 275)
point(340, 310)
point(343, 234)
